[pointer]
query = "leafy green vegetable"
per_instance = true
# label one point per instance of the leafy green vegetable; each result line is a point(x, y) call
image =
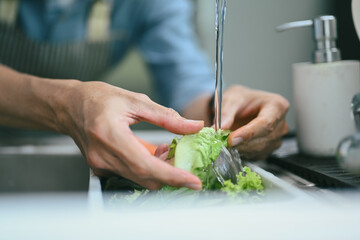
point(248, 181)
point(137, 193)
point(173, 147)
point(119, 199)
point(197, 152)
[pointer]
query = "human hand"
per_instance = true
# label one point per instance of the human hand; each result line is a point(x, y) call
point(97, 116)
point(257, 120)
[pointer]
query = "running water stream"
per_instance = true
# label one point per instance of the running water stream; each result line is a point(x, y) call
point(219, 29)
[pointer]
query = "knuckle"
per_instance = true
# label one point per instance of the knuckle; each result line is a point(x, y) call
point(143, 97)
point(269, 125)
point(283, 102)
point(168, 113)
point(279, 100)
point(286, 105)
point(172, 113)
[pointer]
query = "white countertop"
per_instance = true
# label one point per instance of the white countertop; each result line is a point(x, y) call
point(314, 215)
point(67, 217)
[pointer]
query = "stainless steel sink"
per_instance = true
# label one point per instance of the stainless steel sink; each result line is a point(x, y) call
point(41, 163)
point(33, 163)
point(35, 172)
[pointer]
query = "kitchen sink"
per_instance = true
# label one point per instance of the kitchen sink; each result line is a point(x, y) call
point(41, 162)
point(46, 185)
point(51, 162)
point(43, 172)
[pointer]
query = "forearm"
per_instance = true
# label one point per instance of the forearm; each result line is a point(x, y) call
point(30, 102)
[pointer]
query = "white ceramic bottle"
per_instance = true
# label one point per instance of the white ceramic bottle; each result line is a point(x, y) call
point(323, 90)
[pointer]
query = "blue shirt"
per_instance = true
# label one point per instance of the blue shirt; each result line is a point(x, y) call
point(161, 29)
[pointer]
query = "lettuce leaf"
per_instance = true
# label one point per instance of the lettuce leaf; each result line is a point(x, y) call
point(248, 181)
point(196, 153)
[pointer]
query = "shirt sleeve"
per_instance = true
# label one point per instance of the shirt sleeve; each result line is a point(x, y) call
point(169, 46)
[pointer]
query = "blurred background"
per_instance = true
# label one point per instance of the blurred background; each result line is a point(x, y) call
point(54, 190)
point(255, 55)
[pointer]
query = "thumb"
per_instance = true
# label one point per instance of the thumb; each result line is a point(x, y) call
point(169, 119)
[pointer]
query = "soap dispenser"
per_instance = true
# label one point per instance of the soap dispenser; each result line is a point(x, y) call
point(322, 91)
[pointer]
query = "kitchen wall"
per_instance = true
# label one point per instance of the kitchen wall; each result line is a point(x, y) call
point(254, 54)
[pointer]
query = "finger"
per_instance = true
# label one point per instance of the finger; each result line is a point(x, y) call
point(262, 125)
point(237, 112)
point(162, 152)
point(146, 183)
point(173, 176)
point(228, 114)
point(123, 171)
point(164, 156)
point(147, 167)
point(161, 149)
point(134, 162)
point(237, 104)
point(257, 148)
point(168, 118)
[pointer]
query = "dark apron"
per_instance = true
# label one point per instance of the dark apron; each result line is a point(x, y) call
point(85, 60)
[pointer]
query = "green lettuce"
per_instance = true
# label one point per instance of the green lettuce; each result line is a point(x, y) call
point(248, 182)
point(196, 153)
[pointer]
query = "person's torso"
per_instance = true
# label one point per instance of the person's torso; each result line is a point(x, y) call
point(67, 38)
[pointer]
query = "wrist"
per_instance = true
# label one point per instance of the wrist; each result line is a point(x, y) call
point(62, 103)
point(32, 102)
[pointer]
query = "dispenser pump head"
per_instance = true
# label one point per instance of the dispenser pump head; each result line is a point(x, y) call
point(325, 35)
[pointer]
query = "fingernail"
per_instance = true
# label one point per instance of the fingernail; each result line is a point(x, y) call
point(236, 141)
point(194, 121)
point(194, 186)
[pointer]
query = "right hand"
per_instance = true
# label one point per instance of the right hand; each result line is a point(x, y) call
point(97, 116)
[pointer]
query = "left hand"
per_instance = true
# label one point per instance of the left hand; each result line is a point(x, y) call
point(257, 120)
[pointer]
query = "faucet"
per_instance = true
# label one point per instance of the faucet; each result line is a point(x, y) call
point(348, 151)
